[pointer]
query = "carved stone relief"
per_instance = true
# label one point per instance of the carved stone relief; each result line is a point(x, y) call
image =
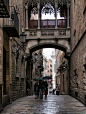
point(62, 32)
point(47, 33)
point(33, 33)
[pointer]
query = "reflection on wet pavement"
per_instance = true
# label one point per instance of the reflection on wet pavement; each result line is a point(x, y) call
point(53, 104)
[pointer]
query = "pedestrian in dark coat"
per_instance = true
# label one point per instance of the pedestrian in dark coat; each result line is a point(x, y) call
point(27, 86)
point(36, 89)
point(57, 89)
point(41, 88)
point(46, 88)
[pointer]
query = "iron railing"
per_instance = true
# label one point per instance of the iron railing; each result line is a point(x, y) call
point(61, 23)
point(47, 23)
point(33, 24)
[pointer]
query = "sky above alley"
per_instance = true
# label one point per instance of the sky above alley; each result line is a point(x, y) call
point(47, 52)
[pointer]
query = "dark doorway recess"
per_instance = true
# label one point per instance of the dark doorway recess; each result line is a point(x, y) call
point(76, 95)
point(85, 100)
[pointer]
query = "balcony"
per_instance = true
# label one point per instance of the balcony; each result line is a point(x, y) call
point(47, 29)
point(4, 8)
point(61, 23)
point(11, 25)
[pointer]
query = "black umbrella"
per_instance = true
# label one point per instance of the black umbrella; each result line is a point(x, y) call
point(46, 78)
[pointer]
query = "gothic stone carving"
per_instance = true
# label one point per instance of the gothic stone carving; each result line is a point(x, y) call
point(47, 33)
point(62, 32)
point(33, 33)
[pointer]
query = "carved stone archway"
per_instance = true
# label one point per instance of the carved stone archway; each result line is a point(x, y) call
point(54, 43)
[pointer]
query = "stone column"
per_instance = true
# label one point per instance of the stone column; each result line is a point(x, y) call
point(26, 7)
point(68, 16)
point(38, 6)
point(56, 6)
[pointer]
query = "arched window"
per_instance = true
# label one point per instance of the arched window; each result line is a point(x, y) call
point(34, 14)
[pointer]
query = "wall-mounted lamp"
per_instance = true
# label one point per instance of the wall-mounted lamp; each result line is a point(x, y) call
point(34, 60)
point(23, 38)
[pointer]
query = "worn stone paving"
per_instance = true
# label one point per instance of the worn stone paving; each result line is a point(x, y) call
point(53, 104)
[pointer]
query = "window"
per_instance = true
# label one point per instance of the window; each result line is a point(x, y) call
point(51, 70)
point(50, 65)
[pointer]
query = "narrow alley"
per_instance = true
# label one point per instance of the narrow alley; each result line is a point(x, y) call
point(53, 104)
point(42, 51)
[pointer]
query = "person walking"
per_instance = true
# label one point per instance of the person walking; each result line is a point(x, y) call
point(36, 89)
point(46, 88)
point(27, 86)
point(41, 88)
point(57, 89)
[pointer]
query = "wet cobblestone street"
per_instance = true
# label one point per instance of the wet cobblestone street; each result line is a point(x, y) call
point(53, 104)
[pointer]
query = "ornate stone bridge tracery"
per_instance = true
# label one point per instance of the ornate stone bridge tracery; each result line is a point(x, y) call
point(48, 32)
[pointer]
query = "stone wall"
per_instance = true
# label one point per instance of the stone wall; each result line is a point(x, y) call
point(78, 49)
point(15, 61)
point(18, 74)
point(1, 55)
point(64, 75)
point(1, 65)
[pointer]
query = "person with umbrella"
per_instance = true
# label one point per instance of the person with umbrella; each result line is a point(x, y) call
point(41, 88)
point(46, 88)
point(36, 89)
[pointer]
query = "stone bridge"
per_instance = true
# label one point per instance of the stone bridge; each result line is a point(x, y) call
point(53, 33)
point(47, 38)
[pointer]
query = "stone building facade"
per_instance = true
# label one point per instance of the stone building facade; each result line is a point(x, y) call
point(45, 66)
point(53, 70)
point(12, 55)
point(78, 50)
point(64, 75)
point(50, 67)
point(37, 67)
point(62, 72)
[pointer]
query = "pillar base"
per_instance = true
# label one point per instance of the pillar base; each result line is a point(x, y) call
point(38, 28)
point(68, 27)
point(26, 28)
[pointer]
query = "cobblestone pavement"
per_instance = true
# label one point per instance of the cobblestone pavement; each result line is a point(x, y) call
point(53, 104)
